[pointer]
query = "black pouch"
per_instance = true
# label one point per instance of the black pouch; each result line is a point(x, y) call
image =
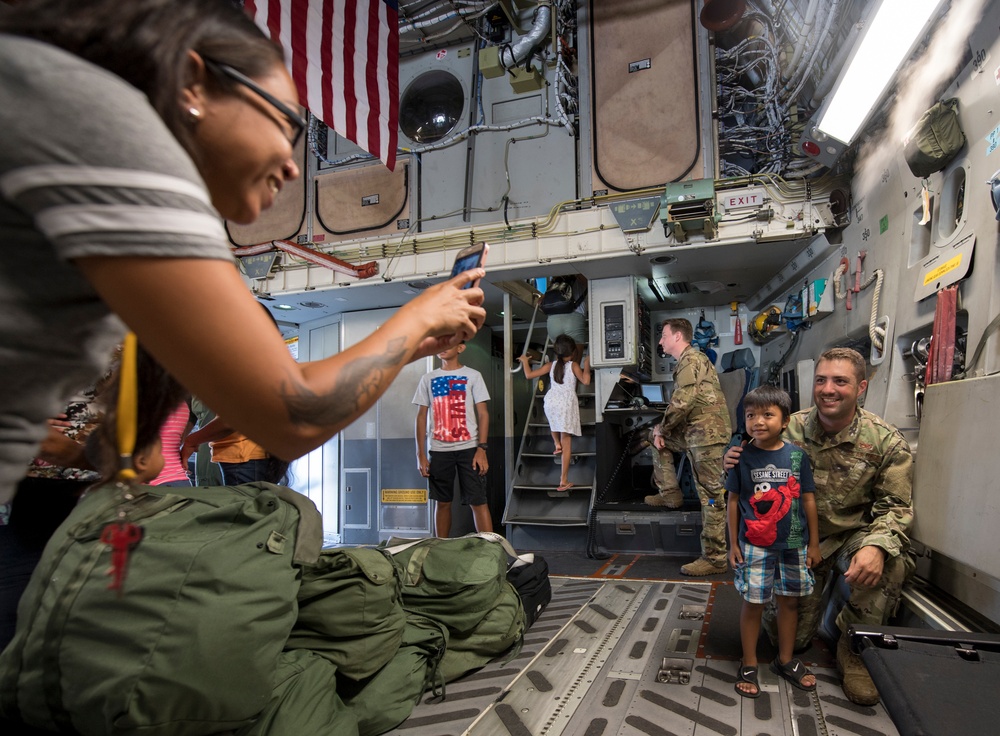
point(532, 583)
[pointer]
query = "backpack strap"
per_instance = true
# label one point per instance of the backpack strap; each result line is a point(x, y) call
point(520, 560)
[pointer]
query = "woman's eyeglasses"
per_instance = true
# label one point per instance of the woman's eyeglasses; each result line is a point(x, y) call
point(296, 121)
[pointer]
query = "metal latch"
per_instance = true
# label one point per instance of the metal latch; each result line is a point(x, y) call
point(675, 670)
point(691, 612)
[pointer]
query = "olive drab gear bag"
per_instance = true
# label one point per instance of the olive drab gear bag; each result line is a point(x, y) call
point(454, 581)
point(461, 583)
point(304, 700)
point(350, 610)
point(386, 699)
point(935, 140)
point(194, 642)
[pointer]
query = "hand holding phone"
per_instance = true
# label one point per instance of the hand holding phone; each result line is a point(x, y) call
point(468, 258)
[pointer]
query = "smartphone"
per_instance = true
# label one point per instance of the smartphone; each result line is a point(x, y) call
point(469, 258)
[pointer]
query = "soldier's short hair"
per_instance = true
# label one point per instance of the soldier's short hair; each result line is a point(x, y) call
point(681, 325)
point(764, 396)
point(850, 355)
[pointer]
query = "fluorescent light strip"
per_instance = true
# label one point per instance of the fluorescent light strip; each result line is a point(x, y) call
point(886, 43)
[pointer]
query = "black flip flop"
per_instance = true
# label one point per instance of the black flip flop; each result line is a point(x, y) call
point(793, 670)
point(747, 674)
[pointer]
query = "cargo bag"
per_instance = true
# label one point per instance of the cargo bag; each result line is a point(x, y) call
point(501, 631)
point(935, 140)
point(455, 582)
point(461, 583)
point(530, 578)
point(304, 700)
point(350, 610)
point(386, 699)
point(193, 644)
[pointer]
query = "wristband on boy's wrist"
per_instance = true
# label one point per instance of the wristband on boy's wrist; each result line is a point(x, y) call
point(482, 445)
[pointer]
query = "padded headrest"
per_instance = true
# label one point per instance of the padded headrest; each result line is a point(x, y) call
point(742, 358)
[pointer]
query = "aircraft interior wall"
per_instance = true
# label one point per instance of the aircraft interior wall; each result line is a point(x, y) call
point(809, 226)
point(954, 483)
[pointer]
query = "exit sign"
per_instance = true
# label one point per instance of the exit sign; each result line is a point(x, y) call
point(741, 199)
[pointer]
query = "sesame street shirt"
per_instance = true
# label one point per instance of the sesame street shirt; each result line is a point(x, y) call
point(770, 484)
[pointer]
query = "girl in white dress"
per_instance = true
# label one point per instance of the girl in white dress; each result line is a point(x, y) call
point(561, 406)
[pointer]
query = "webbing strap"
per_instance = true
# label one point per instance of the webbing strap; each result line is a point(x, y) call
point(128, 408)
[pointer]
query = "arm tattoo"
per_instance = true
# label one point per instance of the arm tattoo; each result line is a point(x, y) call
point(357, 386)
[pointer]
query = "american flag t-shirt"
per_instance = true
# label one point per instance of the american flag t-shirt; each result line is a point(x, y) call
point(344, 58)
point(449, 397)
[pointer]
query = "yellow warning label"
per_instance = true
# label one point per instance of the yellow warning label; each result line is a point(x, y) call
point(949, 265)
point(404, 495)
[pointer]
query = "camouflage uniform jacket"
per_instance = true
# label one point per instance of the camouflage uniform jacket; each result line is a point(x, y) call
point(863, 478)
point(697, 405)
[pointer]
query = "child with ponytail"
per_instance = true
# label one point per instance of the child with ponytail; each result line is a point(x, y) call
point(561, 406)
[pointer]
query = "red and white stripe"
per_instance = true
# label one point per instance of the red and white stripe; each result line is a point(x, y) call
point(344, 58)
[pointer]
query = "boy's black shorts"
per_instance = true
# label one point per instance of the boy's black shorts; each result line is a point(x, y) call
point(441, 483)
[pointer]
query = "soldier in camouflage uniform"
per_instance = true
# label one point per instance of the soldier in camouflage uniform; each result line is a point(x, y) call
point(695, 422)
point(863, 468)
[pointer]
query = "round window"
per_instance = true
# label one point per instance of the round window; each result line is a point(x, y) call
point(430, 107)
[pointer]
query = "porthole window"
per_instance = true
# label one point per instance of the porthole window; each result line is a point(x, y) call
point(431, 106)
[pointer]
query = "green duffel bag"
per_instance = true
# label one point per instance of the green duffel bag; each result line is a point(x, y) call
point(455, 582)
point(305, 701)
point(935, 140)
point(386, 699)
point(350, 610)
point(191, 647)
point(501, 630)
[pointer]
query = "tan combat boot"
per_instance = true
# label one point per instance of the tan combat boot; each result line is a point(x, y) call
point(666, 499)
point(857, 683)
point(703, 566)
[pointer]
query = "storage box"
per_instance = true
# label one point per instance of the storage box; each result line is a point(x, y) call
point(649, 532)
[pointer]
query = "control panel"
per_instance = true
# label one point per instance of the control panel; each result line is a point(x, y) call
point(619, 325)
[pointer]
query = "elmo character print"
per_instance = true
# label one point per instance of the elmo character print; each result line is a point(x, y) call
point(770, 503)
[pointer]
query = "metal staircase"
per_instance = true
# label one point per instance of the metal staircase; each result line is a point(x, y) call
point(534, 499)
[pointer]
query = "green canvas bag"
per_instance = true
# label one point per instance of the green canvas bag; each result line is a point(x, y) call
point(502, 630)
point(193, 644)
point(383, 701)
point(935, 140)
point(455, 582)
point(304, 701)
point(350, 610)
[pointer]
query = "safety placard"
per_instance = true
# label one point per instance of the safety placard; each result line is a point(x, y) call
point(404, 495)
point(950, 265)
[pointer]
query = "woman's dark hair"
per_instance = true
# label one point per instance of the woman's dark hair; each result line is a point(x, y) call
point(159, 395)
point(564, 347)
point(146, 42)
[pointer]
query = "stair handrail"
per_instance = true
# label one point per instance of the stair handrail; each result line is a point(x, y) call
point(527, 340)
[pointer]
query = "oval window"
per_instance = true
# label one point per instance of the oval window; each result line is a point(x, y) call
point(430, 107)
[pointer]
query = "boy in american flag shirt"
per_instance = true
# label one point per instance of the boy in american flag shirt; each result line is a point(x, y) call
point(456, 396)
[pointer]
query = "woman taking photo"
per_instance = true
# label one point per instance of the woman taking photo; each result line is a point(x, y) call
point(130, 129)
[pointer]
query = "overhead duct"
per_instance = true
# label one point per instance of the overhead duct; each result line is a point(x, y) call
point(514, 55)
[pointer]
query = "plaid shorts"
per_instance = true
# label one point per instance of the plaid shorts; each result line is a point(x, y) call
point(773, 571)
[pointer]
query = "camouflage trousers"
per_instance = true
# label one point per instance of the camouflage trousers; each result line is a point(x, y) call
point(706, 467)
point(865, 606)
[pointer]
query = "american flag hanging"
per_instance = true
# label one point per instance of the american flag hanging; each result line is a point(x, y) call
point(344, 58)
